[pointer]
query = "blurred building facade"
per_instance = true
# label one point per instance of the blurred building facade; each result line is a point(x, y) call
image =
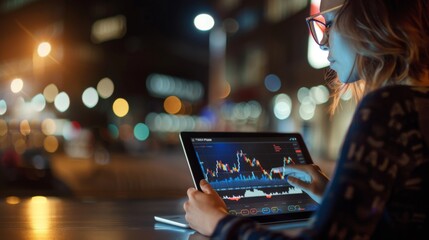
point(270, 80)
point(129, 75)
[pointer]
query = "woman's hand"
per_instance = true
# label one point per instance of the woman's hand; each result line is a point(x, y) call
point(204, 209)
point(315, 187)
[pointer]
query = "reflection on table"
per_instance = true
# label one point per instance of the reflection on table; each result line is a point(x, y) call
point(42, 217)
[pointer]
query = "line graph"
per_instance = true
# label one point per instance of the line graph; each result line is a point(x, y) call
point(236, 168)
point(261, 193)
point(230, 167)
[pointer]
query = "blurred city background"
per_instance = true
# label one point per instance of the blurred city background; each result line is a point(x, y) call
point(94, 93)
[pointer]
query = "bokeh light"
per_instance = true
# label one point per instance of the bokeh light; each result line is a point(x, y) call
point(50, 92)
point(120, 107)
point(282, 106)
point(38, 102)
point(307, 108)
point(320, 94)
point(226, 90)
point(172, 104)
point(90, 97)
point(272, 83)
point(3, 107)
point(16, 85)
point(51, 144)
point(162, 122)
point(48, 126)
point(44, 49)
point(241, 111)
point(204, 22)
point(255, 109)
point(141, 131)
point(12, 200)
point(302, 93)
point(161, 85)
point(105, 88)
point(62, 102)
point(24, 127)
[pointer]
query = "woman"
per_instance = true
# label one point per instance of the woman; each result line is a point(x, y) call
point(379, 189)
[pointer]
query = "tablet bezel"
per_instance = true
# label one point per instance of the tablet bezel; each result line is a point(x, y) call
point(197, 174)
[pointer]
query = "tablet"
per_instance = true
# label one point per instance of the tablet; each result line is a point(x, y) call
point(247, 169)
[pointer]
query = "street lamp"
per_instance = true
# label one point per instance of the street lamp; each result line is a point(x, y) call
point(217, 46)
point(204, 22)
point(44, 49)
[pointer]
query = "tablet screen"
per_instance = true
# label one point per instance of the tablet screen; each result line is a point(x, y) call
point(248, 170)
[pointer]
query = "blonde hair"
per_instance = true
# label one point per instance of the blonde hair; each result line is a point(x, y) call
point(391, 38)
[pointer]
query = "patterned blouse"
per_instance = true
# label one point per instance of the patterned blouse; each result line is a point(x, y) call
point(380, 187)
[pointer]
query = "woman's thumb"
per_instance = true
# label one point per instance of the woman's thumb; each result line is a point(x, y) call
point(205, 186)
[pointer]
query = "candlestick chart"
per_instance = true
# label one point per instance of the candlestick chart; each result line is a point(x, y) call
point(238, 171)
